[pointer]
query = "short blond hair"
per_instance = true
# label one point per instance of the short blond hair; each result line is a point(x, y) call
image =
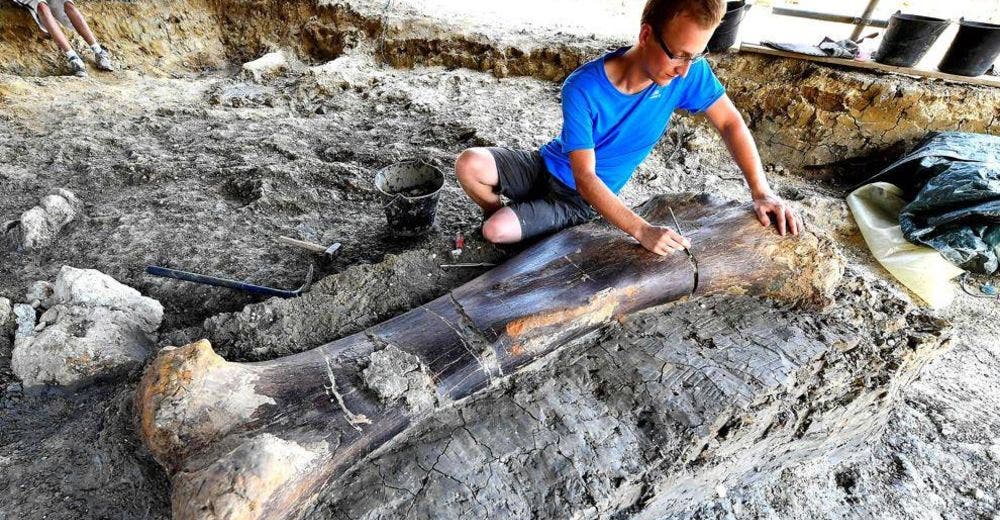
point(706, 13)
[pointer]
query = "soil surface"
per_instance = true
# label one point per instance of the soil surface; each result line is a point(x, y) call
point(203, 171)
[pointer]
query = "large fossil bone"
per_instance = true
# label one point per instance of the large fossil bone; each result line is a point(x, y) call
point(262, 440)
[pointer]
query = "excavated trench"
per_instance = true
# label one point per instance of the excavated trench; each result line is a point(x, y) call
point(725, 407)
point(803, 114)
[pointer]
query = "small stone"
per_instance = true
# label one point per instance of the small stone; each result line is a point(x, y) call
point(268, 66)
point(39, 225)
point(25, 317)
point(6, 313)
point(994, 452)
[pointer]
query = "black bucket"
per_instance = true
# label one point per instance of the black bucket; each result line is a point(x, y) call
point(908, 38)
point(974, 49)
point(725, 34)
point(410, 191)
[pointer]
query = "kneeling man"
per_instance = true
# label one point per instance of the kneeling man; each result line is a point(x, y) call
point(615, 109)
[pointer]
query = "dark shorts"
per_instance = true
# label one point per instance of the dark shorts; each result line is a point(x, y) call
point(542, 203)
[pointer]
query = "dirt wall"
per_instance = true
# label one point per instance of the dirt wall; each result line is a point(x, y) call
point(805, 114)
point(155, 38)
point(802, 113)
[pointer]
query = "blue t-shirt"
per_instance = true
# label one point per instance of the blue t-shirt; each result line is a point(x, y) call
point(621, 128)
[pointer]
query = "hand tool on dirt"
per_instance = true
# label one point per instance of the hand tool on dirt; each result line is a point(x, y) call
point(327, 252)
point(481, 264)
point(232, 284)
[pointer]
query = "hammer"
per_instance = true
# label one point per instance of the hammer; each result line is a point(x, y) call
point(327, 252)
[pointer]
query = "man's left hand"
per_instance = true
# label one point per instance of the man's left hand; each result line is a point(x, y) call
point(769, 205)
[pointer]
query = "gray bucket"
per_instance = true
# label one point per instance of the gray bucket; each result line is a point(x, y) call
point(410, 191)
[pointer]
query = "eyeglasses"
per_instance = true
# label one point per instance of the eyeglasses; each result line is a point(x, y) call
point(681, 59)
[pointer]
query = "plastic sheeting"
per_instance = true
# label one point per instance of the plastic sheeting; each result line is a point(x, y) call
point(953, 180)
point(876, 208)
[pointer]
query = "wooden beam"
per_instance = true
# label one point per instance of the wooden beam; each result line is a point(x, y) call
point(828, 17)
point(866, 20)
point(984, 80)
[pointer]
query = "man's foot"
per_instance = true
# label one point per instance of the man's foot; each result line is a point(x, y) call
point(104, 61)
point(77, 67)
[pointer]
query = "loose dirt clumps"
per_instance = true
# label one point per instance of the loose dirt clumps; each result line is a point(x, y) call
point(393, 374)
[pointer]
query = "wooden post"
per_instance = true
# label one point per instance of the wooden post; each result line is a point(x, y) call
point(865, 19)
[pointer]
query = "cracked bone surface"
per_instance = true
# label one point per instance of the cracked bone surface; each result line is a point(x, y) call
point(263, 440)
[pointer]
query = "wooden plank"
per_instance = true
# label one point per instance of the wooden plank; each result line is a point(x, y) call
point(865, 20)
point(984, 80)
point(829, 17)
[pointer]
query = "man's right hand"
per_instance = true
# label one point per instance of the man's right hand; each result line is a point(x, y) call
point(662, 240)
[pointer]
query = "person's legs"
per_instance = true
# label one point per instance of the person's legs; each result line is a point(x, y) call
point(476, 170)
point(79, 23)
point(487, 173)
point(69, 13)
point(52, 26)
point(559, 209)
point(503, 227)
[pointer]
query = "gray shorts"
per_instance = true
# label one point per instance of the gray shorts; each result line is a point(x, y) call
point(58, 8)
point(542, 203)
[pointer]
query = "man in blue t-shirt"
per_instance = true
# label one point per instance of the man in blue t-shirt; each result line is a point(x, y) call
point(615, 109)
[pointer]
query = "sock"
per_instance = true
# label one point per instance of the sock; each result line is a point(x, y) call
point(72, 55)
point(96, 47)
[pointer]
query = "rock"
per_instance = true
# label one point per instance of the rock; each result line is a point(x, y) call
point(39, 225)
point(6, 316)
point(994, 451)
point(6, 324)
point(40, 292)
point(24, 316)
point(97, 328)
point(92, 288)
point(343, 73)
point(268, 66)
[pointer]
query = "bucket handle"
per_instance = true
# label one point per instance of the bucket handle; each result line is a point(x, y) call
point(396, 197)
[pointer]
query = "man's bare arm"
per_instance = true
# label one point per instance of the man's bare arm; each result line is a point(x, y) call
point(658, 239)
point(730, 125)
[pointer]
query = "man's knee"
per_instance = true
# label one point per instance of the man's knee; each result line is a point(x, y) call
point(502, 228)
point(475, 165)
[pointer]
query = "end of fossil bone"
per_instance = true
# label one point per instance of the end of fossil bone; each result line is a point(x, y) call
point(815, 268)
point(249, 483)
point(190, 396)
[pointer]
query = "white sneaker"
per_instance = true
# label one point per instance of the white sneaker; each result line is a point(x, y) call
point(104, 61)
point(77, 67)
